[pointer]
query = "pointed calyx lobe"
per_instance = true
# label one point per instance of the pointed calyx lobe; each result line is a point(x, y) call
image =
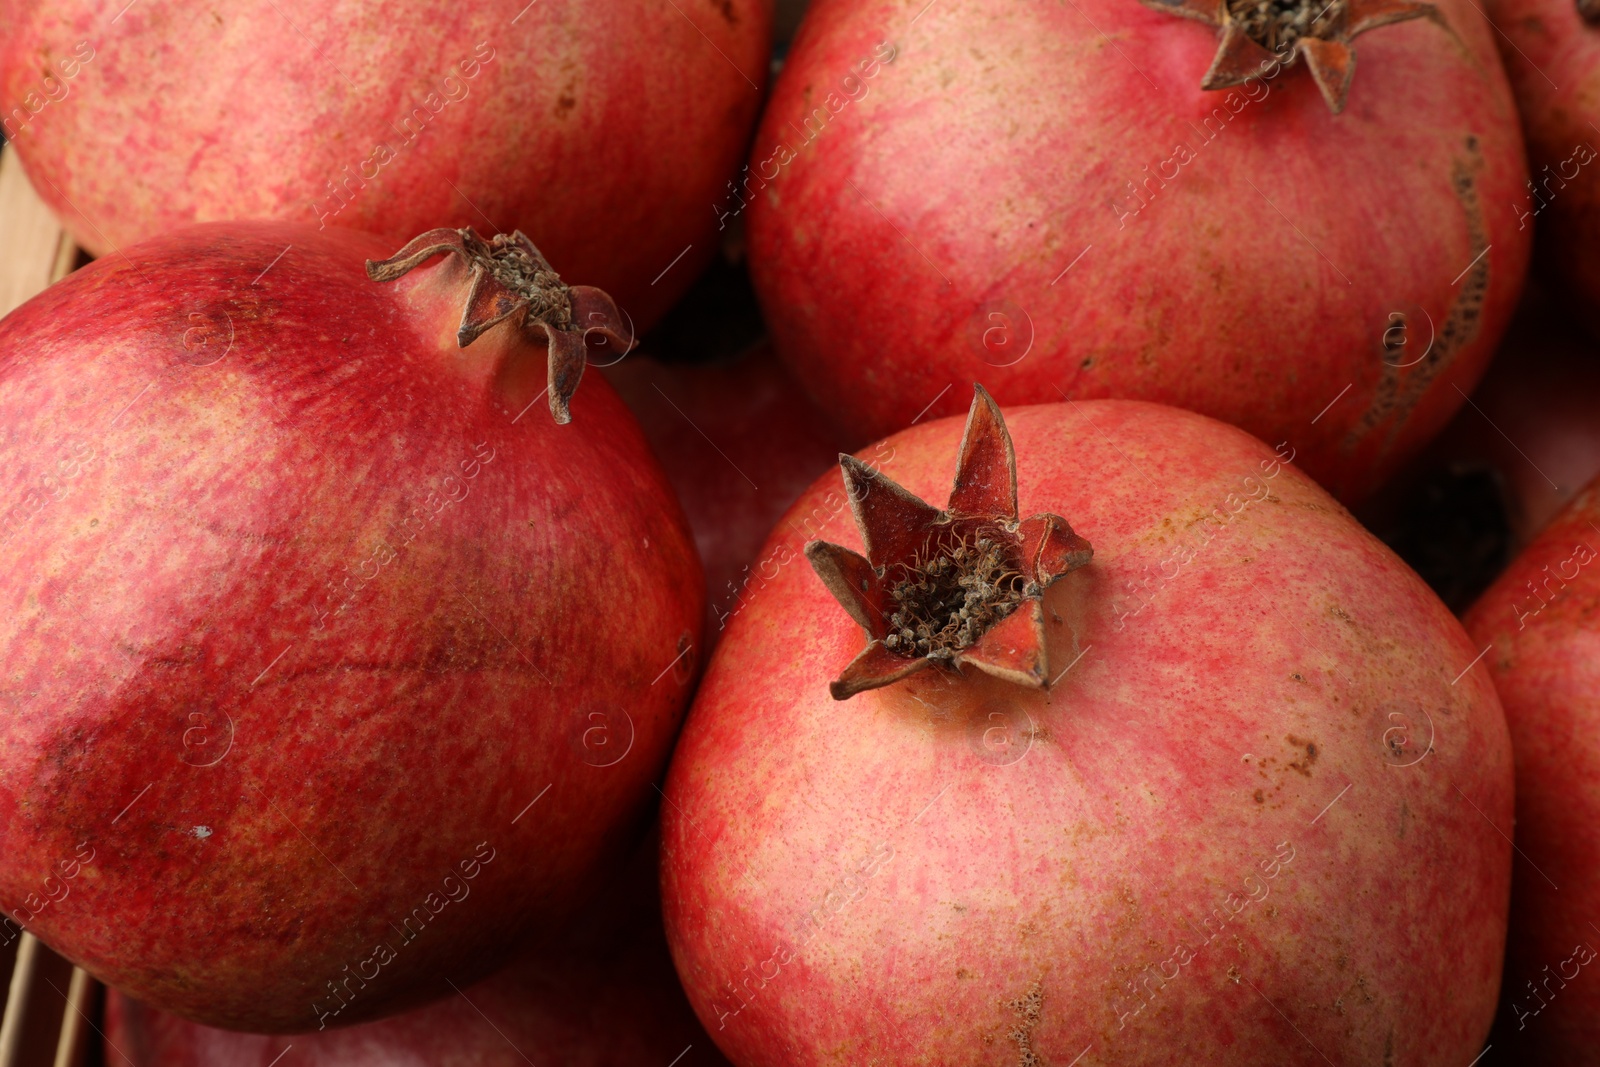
point(509, 276)
point(1256, 34)
point(948, 588)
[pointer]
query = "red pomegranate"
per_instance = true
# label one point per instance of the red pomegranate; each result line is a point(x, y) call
point(1537, 626)
point(604, 130)
point(1230, 792)
point(739, 441)
point(606, 997)
point(1551, 50)
point(333, 663)
point(1095, 200)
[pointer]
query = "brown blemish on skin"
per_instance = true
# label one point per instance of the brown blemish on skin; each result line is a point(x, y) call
point(1027, 1008)
point(1261, 797)
point(1303, 765)
point(1459, 328)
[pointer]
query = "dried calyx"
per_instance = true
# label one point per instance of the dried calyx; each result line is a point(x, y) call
point(511, 277)
point(1258, 35)
point(948, 588)
point(952, 592)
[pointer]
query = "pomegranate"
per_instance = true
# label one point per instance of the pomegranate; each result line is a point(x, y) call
point(739, 441)
point(1551, 50)
point(606, 997)
point(333, 663)
point(1064, 200)
point(605, 131)
point(1230, 792)
point(1536, 625)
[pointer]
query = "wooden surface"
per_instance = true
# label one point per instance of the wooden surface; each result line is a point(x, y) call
point(47, 1008)
point(34, 249)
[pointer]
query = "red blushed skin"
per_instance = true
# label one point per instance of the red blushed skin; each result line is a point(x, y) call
point(739, 441)
point(923, 239)
point(1552, 57)
point(1545, 660)
point(608, 998)
point(888, 879)
point(294, 628)
point(604, 131)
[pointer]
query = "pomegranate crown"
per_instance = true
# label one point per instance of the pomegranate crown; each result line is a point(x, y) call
point(1258, 33)
point(511, 276)
point(953, 587)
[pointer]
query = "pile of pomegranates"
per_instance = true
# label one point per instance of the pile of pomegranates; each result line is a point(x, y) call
point(520, 544)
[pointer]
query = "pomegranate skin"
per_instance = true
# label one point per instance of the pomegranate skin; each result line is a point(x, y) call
point(304, 609)
point(1538, 622)
point(603, 131)
point(1215, 842)
point(606, 998)
point(1552, 57)
point(971, 211)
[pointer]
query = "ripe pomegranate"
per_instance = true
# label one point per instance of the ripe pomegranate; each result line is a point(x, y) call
point(333, 664)
point(607, 996)
point(739, 441)
point(1048, 198)
point(1551, 50)
point(605, 131)
point(1187, 805)
point(1537, 626)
